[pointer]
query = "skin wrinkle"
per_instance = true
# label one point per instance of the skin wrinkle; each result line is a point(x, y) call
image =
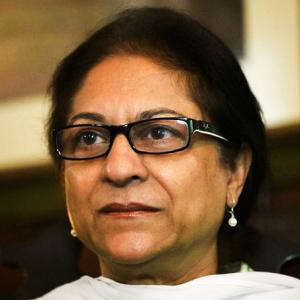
point(191, 187)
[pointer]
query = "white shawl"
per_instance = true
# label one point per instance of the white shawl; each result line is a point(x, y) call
point(233, 286)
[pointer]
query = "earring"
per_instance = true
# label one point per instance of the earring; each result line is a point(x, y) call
point(232, 221)
point(73, 233)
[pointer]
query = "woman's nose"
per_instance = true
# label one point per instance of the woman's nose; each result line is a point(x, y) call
point(122, 164)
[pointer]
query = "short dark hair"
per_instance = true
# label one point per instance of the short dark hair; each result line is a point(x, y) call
point(178, 42)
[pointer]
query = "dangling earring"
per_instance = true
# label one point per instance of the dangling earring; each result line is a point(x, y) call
point(232, 221)
point(73, 233)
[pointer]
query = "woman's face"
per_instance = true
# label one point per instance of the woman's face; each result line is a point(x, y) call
point(177, 200)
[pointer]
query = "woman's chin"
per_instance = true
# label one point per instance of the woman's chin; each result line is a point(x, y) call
point(130, 249)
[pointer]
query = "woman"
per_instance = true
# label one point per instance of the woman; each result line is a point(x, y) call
point(156, 135)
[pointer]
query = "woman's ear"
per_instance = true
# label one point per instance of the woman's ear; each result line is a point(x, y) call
point(239, 172)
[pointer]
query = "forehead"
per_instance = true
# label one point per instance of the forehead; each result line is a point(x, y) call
point(123, 87)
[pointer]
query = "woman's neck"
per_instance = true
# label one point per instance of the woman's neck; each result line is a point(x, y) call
point(168, 270)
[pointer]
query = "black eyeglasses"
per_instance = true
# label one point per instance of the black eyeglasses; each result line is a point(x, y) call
point(152, 136)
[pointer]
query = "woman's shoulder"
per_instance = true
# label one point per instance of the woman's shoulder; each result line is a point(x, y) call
point(77, 290)
point(255, 285)
point(254, 278)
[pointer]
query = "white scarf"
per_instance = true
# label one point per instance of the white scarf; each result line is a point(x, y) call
point(242, 286)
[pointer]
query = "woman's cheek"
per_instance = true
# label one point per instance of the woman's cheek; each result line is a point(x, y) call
point(78, 187)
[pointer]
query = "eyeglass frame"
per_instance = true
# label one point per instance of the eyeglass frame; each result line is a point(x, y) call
point(200, 126)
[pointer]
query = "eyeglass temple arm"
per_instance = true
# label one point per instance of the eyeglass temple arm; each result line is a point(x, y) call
point(208, 129)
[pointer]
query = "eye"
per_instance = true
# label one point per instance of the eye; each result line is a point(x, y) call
point(88, 138)
point(159, 132)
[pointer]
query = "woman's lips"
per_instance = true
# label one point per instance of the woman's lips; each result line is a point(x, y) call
point(128, 210)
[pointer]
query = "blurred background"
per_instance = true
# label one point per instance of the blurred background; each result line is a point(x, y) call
point(36, 252)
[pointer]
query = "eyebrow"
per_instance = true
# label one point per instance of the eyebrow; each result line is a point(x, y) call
point(88, 115)
point(148, 114)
